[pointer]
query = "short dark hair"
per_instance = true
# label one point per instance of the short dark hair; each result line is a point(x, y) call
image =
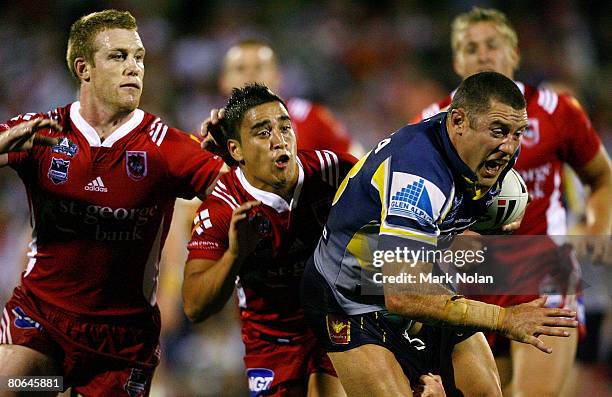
point(241, 100)
point(475, 93)
point(84, 31)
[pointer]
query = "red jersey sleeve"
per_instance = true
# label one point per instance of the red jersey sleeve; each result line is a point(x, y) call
point(15, 159)
point(332, 166)
point(192, 168)
point(580, 140)
point(209, 230)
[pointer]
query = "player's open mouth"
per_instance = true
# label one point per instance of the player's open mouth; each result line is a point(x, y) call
point(282, 161)
point(493, 167)
point(130, 85)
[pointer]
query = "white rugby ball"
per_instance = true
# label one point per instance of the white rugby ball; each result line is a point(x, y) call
point(507, 207)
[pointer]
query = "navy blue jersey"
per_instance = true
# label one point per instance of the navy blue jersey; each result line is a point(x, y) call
point(411, 191)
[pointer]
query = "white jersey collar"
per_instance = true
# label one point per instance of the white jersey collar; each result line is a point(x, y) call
point(92, 136)
point(272, 199)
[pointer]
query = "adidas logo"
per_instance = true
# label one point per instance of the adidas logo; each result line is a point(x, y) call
point(96, 186)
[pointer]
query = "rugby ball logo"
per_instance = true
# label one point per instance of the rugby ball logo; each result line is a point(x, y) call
point(507, 207)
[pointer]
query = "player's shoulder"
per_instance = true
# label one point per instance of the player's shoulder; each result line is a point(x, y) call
point(327, 165)
point(546, 99)
point(161, 134)
point(542, 99)
point(552, 102)
point(227, 192)
point(324, 158)
point(418, 150)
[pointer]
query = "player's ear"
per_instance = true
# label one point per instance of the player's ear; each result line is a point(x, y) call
point(81, 67)
point(458, 119)
point(235, 150)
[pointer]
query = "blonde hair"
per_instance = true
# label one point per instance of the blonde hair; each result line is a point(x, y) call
point(477, 14)
point(85, 29)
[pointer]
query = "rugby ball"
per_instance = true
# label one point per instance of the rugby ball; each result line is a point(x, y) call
point(507, 207)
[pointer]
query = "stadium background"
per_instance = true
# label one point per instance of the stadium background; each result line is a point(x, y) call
point(374, 63)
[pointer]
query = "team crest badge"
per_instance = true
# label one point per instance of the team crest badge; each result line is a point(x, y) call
point(136, 164)
point(58, 171)
point(531, 136)
point(338, 329)
point(65, 146)
point(136, 384)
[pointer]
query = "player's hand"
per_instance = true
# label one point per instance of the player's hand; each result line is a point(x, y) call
point(431, 386)
point(208, 141)
point(243, 234)
point(527, 321)
point(514, 226)
point(23, 136)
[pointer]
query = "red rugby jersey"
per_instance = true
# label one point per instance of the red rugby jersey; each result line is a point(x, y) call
point(269, 280)
point(101, 210)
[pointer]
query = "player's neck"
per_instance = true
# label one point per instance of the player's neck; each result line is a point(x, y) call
point(284, 189)
point(103, 119)
point(286, 192)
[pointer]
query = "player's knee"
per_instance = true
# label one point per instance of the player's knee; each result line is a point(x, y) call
point(16, 360)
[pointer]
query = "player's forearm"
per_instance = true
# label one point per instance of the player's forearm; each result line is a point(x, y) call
point(434, 303)
point(597, 175)
point(598, 209)
point(7, 142)
point(205, 292)
point(447, 310)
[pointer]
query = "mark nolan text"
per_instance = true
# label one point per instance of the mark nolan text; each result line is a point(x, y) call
point(430, 278)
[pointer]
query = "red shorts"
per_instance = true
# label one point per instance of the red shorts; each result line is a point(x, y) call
point(274, 365)
point(98, 357)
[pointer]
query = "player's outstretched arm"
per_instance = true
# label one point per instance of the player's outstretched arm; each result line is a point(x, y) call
point(208, 284)
point(597, 175)
point(429, 303)
point(23, 136)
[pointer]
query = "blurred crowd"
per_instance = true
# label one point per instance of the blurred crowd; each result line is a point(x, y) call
point(375, 64)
